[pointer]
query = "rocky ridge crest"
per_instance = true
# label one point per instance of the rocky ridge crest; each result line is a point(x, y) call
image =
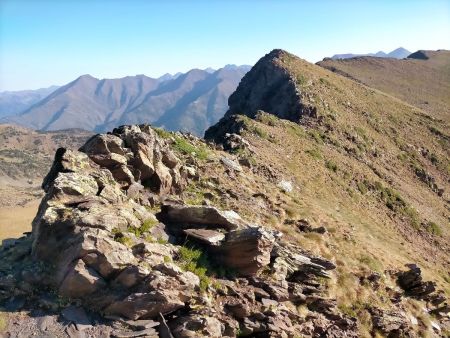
point(96, 239)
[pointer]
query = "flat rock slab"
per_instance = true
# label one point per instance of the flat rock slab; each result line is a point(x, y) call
point(78, 316)
point(141, 324)
point(230, 164)
point(191, 216)
point(131, 334)
point(206, 236)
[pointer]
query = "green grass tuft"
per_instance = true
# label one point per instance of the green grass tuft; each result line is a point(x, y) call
point(184, 147)
point(434, 229)
point(329, 164)
point(162, 133)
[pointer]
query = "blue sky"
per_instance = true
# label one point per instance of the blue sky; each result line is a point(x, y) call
point(46, 42)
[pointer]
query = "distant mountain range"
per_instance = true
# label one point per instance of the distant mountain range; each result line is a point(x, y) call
point(192, 101)
point(399, 53)
point(13, 103)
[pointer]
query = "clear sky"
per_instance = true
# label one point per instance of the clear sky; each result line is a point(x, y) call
point(47, 42)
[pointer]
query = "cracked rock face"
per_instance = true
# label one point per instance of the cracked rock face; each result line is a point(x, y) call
point(88, 238)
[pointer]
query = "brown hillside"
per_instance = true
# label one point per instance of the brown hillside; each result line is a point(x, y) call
point(422, 79)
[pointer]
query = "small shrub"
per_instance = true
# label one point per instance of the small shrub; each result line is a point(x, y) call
point(148, 224)
point(162, 133)
point(269, 119)
point(362, 187)
point(144, 228)
point(403, 157)
point(162, 241)
point(329, 164)
point(317, 135)
point(295, 130)
point(434, 229)
point(324, 81)
point(195, 195)
point(195, 261)
point(413, 216)
point(301, 80)
point(121, 238)
point(261, 133)
point(314, 153)
point(362, 133)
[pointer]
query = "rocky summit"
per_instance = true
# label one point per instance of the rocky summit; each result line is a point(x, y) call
point(292, 220)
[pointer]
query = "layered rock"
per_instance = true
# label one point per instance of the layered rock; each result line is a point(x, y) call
point(92, 241)
point(411, 281)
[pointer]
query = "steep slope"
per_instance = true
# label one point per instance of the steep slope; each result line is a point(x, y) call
point(372, 167)
point(423, 79)
point(191, 101)
point(15, 102)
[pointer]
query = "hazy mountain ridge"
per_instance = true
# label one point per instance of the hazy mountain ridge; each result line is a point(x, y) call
point(15, 102)
point(192, 101)
point(398, 53)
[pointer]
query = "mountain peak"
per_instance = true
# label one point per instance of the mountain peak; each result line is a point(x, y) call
point(399, 53)
point(270, 86)
point(419, 55)
point(269, 72)
point(86, 77)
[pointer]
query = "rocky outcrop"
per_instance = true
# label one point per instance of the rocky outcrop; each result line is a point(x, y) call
point(411, 281)
point(270, 87)
point(392, 323)
point(96, 240)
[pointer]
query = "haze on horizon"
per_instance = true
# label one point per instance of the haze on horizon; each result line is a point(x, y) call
point(48, 42)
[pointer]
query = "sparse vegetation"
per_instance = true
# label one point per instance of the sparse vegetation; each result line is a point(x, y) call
point(331, 165)
point(3, 321)
point(314, 153)
point(144, 228)
point(269, 119)
point(371, 262)
point(183, 146)
point(362, 187)
point(162, 133)
point(123, 239)
point(434, 229)
point(195, 261)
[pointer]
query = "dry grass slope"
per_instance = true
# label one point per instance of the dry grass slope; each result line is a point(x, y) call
point(371, 168)
point(422, 83)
